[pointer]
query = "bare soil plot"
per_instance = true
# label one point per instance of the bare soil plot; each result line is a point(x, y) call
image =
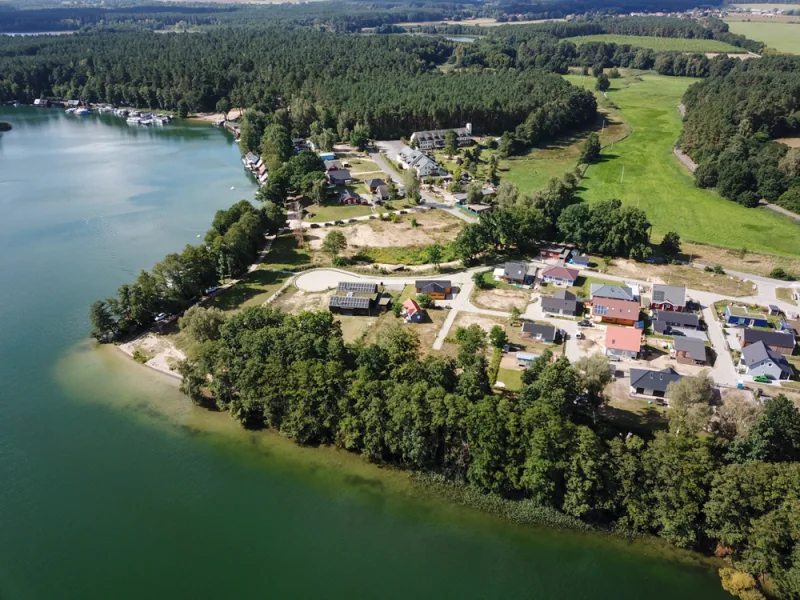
point(295, 301)
point(747, 262)
point(501, 299)
point(691, 277)
point(791, 142)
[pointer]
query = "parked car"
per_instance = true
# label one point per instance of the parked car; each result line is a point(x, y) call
point(315, 226)
point(160, 317)
point(761, 379)
point(211, 290)
point(354, 220)
point(338, 222)
point(584, 323)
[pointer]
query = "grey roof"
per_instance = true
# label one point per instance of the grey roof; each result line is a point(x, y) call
point(561, 300)
point(781, 339)
point(672, 294)
point(425, 286)
point(341, 174)
point(332, 164)
point(654, 380)
point(546, 331)
point(679, 319)
point(695, 348)
point(358, 286)
point(515, 270)
point(373, 183)
point(582, 260)
point(438, 134)
point(618, 292)
point(349, 302)
point(759, 352)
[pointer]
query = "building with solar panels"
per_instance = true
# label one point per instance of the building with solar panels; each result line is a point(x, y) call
point(356, 298)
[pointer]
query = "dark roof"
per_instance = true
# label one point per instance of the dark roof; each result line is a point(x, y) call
point(654, 380)
point(332, 164)
point(756, 353)
point(559, 272)
point(546, 331)
point(373, 183)
point(349, 302)
point(340, 174)
point(676, 318)
point(695, 348)
point(580, 260)
point(344, 195)
point(660, 326)
point(425, 286)
point(515, 270)
point(781, 339)
point(672, 294)
point(562, 300)
point(358, 286)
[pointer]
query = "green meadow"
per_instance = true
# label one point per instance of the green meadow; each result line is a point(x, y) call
point(659, 44)
point(784, 37)
point(641, 170)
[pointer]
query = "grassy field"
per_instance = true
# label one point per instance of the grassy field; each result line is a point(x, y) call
point(769, 6)
point(512, 379)
point(254, 290)
point(657, 182)
point(659, 44)
point(335, 211)
point(784, 37)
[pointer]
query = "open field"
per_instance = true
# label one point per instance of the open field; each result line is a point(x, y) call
point(768, 6)
point(253, 290)
point(659, 44)
point(481, 22)
point(657, 182)
point(748, 262)
point(784, 37)
point(334, 211)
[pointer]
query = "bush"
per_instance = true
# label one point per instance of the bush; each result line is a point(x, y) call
point(140, 357)
point(494, 365)
point(780, 273)
point(339, 261)
point(425, 301)
point(790, 199)
point(414, 222)
point(715, 269)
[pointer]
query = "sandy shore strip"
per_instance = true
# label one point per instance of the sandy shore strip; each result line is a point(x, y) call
point(162, 353)
point(232, 115)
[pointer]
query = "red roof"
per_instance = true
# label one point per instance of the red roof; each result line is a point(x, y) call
point(623, 338)
point(411, 307)
point(561, 273)
point(619, 309)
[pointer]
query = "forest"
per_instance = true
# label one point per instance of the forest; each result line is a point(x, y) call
point(732, 120)
point(389, 84)
point(734, 492)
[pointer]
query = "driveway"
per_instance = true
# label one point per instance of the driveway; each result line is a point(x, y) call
point(724, 372)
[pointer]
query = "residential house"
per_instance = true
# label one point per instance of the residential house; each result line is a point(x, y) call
point(559, 275)
point(623, 342)
point(381, 193)
point(665, 321)
point(438, 290)
point(780, 341)
point(540, 333)
point(339, 177)
point(760, 360)
point(690, 351)
point(476, 209)
point(374, 184)
point(616, 292)
point(350, 197)
point(358, 287)
point(554, 251)
point(525, 359)
point(646, 382)
point(350, 303)
point(775, 310)
point(411, 312)
point(430, 140)
point(423, 165)
point(580, 260)
point(332, 165)
point(560, 303)
point(611, 310)
point(518, 273)
point(668, 297)
point(741, 316)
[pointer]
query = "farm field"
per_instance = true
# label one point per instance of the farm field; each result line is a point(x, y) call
point(769, 6)
point(659, 44)
point(657, 182)
point(784, 37)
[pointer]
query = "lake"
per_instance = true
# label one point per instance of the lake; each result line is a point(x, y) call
point(112, 485)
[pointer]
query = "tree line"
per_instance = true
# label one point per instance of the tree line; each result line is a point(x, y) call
point(731, 123)
point(230, 247)
point(732, 490)
point(391, 85)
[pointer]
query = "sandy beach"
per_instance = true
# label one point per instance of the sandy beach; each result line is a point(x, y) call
point(217, 116)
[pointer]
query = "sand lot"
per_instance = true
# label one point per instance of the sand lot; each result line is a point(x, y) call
point(502, 299)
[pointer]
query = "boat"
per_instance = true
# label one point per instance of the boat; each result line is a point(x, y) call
point(145, 121)
point(133, 120)
point(70, 111)
point(81, 112)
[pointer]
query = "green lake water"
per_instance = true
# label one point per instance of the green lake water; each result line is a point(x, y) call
point(113, 486)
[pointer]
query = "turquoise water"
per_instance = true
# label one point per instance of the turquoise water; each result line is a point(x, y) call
point(113, 486)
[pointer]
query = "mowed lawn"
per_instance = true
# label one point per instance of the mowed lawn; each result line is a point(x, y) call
point(784, 37)
point(659, 184)
point(659, 44)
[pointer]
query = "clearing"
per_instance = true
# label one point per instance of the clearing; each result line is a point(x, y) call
point(659, 44)
point(333, 211)
point(691, 277)
point(655, 181)
point(253, 290)
point(784, 37)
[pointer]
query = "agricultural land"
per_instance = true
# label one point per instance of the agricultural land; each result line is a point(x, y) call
point(659, 44)
point(783, 37)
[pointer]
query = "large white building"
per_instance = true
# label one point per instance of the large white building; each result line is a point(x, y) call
point(430, 140)
point(424, 165)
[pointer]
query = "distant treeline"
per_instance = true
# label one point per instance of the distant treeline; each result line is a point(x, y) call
point(390, 84)
point(731, 121)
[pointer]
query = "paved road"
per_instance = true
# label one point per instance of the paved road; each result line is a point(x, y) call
point(724, 371)
point(569, 327)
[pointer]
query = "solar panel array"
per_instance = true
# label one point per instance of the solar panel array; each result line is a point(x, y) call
point(358, 287)
point(658, 296)
point(349, 302)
